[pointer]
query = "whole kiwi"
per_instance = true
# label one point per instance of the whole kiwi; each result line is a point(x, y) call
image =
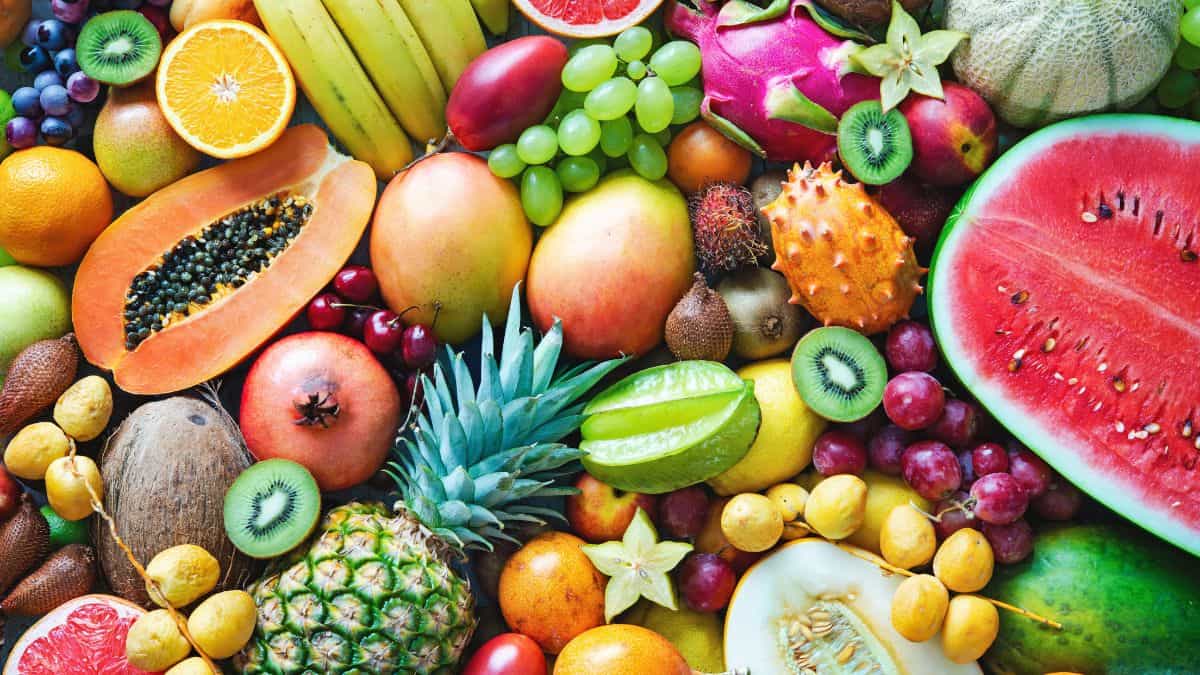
point(700, 326)
point(765, 189)
point(764, 322)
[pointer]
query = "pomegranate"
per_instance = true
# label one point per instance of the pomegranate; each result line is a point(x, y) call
point(323, 400)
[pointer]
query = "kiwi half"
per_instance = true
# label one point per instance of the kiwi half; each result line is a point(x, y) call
point(875, 146)
point(839, 373)
point(118, 48)
point(271, 508)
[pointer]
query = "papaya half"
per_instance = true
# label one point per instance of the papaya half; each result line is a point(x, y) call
point(187, 283)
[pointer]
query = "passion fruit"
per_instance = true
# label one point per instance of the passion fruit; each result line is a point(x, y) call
point(965, 561)
point(751, 522)
point(837, 505)
point(551, 592)
point(620, 649)
point(971, 626)
point(919, 606)
point(907, 539)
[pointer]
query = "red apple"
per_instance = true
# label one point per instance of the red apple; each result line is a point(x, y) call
point(601, 512)
point(954, 139)
point(10, 494)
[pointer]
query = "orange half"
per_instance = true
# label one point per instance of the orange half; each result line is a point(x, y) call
point(226, 88)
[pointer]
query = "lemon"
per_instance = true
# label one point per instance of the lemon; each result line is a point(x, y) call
point(785, 438)
point(697, 635)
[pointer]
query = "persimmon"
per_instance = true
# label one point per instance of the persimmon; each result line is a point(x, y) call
point(700, 154)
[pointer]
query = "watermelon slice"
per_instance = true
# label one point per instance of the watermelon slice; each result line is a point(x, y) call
point(84, 636)
point(1065, 294)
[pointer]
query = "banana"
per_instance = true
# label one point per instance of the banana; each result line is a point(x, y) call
point(493, 14)
point(390, 50)
point(336, 84)
point(450, 33)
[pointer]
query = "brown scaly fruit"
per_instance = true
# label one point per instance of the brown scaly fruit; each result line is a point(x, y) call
point(24, 541)
point(700, 327)
point(847, 261)
point(66, 575)
point(36, 378)
point(726, 228)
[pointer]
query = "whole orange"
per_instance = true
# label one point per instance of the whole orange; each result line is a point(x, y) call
point(701, 155)
point(55, 203)
point(551, 592)
point(620, 649)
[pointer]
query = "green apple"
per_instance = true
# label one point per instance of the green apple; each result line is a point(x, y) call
point(34, 305)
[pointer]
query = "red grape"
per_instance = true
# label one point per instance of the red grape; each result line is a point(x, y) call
point(839, 452)
point(1030, 471)
point(681, 513)
point(998, 499)
point(910, 346)
point(952, 517)
point(989, 458)
point(885, 449)
point(968, 469)
point(1061, 501)
point(325, 312)
point(931, 468)
point(356, 283)
point(419, 346)
point(913, 400)
point(706, 582)
point(1011, 543)
point(957, 425)
point(864, 428)
point(383, 332)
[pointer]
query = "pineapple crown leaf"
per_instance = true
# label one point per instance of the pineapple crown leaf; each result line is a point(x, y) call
point(478, 452)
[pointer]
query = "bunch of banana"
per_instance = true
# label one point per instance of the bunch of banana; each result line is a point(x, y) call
point(376, 69)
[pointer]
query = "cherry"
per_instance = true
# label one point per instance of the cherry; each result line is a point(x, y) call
point(413, 389)
point(356, 322)
point(356, 283)
point(325, 312)
point(419, 346)
point(383, 332)
point(839, 452)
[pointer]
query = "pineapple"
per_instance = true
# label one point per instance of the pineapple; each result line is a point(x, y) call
point(375, 591)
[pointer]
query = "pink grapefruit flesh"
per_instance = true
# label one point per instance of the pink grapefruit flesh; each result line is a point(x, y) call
point(587, 18)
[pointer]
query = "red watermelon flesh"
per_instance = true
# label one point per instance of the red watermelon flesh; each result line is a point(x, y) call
point(1065, 294)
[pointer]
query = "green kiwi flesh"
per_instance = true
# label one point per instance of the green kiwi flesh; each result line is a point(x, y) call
point(839, 373)
point(272, 508)
point(118, 48)
point(875, 146)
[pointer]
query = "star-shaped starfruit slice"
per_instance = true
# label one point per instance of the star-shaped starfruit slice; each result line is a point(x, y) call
point(908, 61)
point(637, 566)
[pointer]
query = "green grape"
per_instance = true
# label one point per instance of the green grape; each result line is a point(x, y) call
point(676, 62)
point(1177, 88)
point(636, 70)
point(567, 101)
point(590, 66)
point(663, 137)
point(537, 145)
point(612, 99)
point(1189, 27)
point(646, 156)
point(505, 161)
point(655, 107)
point(687, 104)
point(616, 136)
point(578, 174)
point(634, 43)
point(586, 42)
point(598, 156)
point(1187, 56)
point(578, 133)
point(541, 195)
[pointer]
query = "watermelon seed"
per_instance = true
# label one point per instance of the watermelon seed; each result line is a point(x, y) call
point(1088, 217)
point(1105, 210)
point(1186, 429)
point(1073, 381)
point(1152, 428)
point(1158, 218)
point(1058, 376)
point(1048, 345)
point(1001, 331)
point(1102, 367)
point(1096, 408)
point(1196, 443)
point(1020, 297)
point(1187, 255)
point(1120, 427)
point(1081, 344)
point(1120, 201)
point(1118, 383)
point(1137, 203)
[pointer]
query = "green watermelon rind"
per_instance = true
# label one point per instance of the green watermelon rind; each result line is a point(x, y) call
point(1026, 428)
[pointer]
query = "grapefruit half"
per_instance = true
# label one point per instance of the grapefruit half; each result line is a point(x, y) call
point(85, 636)
point(586, 18)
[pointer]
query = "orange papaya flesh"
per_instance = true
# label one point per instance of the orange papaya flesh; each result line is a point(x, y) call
point(324, 198)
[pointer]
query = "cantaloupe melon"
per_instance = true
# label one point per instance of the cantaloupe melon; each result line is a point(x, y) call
point(1039, 61)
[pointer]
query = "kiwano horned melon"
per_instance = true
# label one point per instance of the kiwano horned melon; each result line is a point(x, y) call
point(847, 261)
point(188, 282)
point(1065, 294)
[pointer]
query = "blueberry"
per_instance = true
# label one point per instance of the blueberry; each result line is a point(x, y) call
point(27, 102)
point(77, 116)
point(29, 33)
point(65, 63)
point(45, 79)
point(52, 34)
point(56, 131)
point(55, 100)
point(34, 59)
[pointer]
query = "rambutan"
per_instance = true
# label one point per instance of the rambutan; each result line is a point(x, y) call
point(725, 224)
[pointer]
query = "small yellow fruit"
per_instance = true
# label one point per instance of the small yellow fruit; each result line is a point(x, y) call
point(789, 498)
point(965, 561)
point(751, 522)
point(795, 530)
point(154, 642)
point(184, 574)
point(837, 505)
point(32, 450)
point(918, 607)
point(223, 623)
point(192, 666)
point(67, 482)
point(83, 410)
point(907, 539)
point(971, 626)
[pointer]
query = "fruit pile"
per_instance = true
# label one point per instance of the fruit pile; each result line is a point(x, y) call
point(691, 336)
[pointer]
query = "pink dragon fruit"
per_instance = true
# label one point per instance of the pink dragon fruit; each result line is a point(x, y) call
point(775, 81)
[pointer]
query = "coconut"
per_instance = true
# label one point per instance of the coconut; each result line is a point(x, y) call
point(166, 471)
